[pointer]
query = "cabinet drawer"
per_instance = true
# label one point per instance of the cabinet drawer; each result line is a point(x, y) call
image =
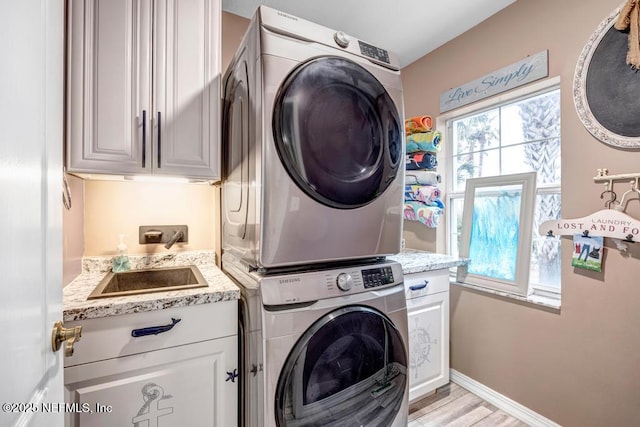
point(427, 283)
point(109, 337)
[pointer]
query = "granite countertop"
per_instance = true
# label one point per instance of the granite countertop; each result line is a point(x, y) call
point(77, 307)
point(415, 261)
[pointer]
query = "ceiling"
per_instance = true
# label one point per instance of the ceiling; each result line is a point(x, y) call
point(409, 28)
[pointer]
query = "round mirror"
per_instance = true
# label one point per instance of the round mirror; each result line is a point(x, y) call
point(606, 90)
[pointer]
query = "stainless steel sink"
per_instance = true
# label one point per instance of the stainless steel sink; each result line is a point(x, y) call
point(147, 281)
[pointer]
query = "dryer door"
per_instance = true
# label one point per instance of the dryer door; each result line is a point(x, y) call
point(235, 135)
point(337, 131)
point(348, 368)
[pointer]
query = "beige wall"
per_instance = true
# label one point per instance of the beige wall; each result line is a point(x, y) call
point(233, 28)
point(113, 208)
point(73, 231)
point(579, 366)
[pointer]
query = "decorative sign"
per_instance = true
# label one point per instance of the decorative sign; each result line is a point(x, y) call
point(531, 68)
point(606, 223)
point(150, 412)
point(587, 252)
point(606, 91)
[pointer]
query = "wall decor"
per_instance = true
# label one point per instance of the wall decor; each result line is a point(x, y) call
point(605, 223)
point(587, 252)
point(533, 67)
point(497, 220)
point(610, 222)
point(606, 90)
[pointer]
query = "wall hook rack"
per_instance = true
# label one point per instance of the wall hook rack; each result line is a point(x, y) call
point(610, 222)
point(604, 177)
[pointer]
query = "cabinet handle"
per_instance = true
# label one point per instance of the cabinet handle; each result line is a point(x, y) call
point(159, 140)
point(144, 138)
point(418, 287)
point(231, 376)
point(154, 330)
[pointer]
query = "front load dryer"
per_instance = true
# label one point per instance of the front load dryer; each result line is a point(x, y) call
point(312, 145)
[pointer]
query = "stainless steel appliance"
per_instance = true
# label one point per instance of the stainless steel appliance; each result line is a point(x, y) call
point(324, 347)
point(313, 146)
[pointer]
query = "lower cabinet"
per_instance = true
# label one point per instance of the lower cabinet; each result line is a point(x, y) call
point(428, 322)
point(191, 384)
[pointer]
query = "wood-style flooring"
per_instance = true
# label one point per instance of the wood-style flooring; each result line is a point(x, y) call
point(454, 406)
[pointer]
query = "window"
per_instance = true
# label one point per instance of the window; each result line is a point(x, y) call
point(511, 136)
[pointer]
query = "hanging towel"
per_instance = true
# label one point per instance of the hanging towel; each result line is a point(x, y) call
point(428, 215)
point(418, 124)
point(415, 161)
point(427, 194)
point(629, 18)
point(424, 141)
point(422, 178)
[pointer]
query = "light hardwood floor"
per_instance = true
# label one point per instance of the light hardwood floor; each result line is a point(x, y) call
point(454, 406)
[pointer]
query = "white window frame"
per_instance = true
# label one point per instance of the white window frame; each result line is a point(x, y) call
point(527, 183)
point(536, 292)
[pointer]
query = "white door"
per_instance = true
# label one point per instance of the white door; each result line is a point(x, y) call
point(31, 83)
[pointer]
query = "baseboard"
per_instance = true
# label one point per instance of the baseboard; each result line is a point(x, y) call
point(498, 400)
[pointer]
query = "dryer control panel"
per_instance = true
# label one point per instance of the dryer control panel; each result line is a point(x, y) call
point(374, 52)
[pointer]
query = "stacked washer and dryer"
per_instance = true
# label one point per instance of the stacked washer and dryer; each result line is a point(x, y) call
point(312, 205)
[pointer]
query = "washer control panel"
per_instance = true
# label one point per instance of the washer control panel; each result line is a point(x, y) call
point(317, 285)
point(375, 277)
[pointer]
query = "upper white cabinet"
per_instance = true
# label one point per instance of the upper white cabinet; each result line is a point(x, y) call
point(144, 87)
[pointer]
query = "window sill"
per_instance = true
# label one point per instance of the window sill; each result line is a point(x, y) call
point(546, 302)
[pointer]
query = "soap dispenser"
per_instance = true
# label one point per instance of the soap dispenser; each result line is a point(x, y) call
point(121, 260)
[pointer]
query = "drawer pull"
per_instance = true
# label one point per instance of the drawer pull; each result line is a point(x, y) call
point(154, 330)
point(418, 287)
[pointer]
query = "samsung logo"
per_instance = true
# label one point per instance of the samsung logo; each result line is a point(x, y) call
point(292, 280)
point(284, 15)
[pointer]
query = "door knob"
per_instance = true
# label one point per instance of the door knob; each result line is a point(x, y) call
point(69, 336)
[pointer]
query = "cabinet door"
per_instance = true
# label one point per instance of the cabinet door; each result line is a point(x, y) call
point(179, 386)
point(186, 89)
point(428, 318)
point(109, 85)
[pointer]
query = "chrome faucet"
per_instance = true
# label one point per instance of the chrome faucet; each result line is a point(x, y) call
point(177, 236)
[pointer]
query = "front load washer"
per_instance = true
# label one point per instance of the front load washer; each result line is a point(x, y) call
point(312, 146)
point(324, 347)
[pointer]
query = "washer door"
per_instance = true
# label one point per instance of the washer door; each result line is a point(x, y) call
point(337, 132)
point(349, 368)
